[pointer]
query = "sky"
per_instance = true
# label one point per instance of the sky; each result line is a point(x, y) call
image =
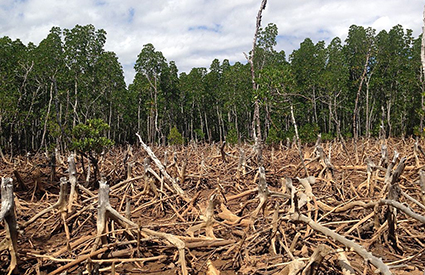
point(195, 32)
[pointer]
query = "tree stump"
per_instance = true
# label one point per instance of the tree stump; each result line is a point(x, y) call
point(7, 214)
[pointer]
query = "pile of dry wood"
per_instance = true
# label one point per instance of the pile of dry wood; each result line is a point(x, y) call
point(212, 209)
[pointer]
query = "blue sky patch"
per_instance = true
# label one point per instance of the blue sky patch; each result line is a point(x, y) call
point(215, 28)
point(130, 15)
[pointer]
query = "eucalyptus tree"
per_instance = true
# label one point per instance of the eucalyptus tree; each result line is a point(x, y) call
point(49, 70)
point(359, 49)
point(110, 84)
point(213, 97)
point(277, 88)
point(170, 97)
point(401, 80)
point(418, 52)
point(308, 64)
point(82, 48)
point(238, 93)
point(335, 85)
point(192, 88)
point(16, 87)
point(265, 52)
point(149, 66)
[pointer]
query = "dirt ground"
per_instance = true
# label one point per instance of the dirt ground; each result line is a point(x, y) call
point(219, 218)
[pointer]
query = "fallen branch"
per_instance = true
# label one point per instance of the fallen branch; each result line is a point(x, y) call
point(367, 256)
point(161, 167)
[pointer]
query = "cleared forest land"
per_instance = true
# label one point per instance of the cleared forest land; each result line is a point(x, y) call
point(212, 210)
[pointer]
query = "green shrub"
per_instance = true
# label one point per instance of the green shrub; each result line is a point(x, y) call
point(274, 136)
point(88, 139)
point(308, 132)
point(232, 135)
point(174, 137)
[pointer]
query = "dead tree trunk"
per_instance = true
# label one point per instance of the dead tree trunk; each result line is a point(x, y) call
point(298, 141)
point(356, 107)
point(263, 192)
point(72, 175)
point(256, 119)
point(161, 167)
point(105, 211)
point(8, 214)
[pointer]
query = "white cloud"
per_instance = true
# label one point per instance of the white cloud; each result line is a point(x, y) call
point(194, 32)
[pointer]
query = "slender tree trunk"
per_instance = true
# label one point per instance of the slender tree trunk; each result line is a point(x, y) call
point(356, 107)
point(219, 124)
point(110, 119)
point(389, 117)
point(256, 119)
point(139, 120)
point(207, 128)
point(201, 120)
point(367, 109)
point(236, 123)
point(74, 120)
point(298, 141)
point(46, 119)
point(423, 72)
point(330, 115)
point(314, 106)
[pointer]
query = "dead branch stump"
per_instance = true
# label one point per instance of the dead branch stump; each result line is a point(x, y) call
point(7, 214)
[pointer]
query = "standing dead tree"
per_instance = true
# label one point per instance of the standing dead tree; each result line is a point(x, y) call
point(256, 120)
point(72, 175)
point(7, 214)
point(298, 141)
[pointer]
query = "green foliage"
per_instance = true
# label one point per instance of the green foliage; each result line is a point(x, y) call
point(274, 136)
point(200, 134)
point(232, 135)
point(327, 136)
point(174, 137)
point(308, 132)
point(89, 137)
point(417, 131)
point(70, 77)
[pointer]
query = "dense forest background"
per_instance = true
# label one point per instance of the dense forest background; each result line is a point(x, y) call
point(369, 85)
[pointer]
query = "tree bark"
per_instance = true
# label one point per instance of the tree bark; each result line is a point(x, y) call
point(7, 213)
point(256, 119)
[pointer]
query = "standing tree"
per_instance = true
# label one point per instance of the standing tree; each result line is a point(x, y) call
point(90, 142)
point(149, 66)
point(83, 48)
